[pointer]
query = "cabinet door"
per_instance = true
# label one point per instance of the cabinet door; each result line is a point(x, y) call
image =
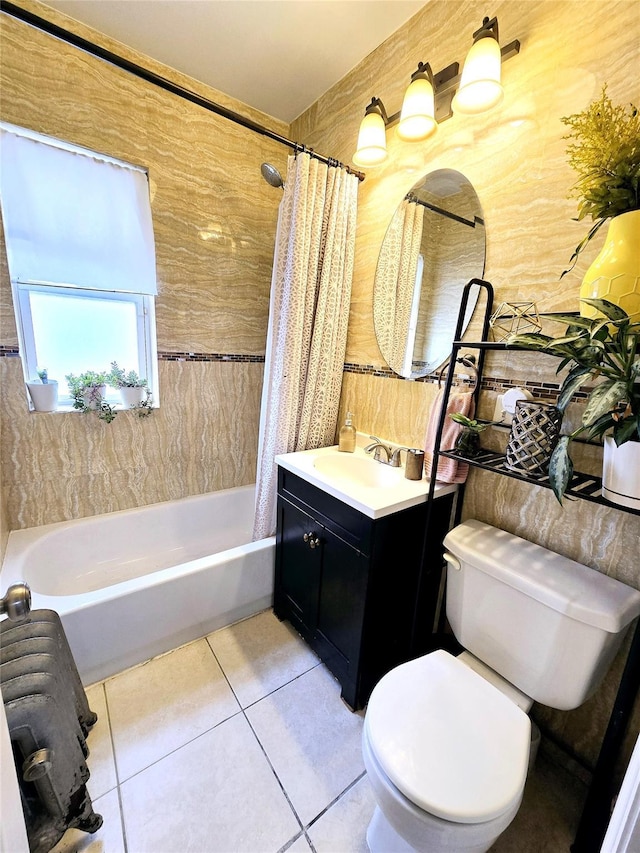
point(343, 588)
point(298, 567)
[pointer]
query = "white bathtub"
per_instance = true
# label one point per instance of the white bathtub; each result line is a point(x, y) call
point(133, 584)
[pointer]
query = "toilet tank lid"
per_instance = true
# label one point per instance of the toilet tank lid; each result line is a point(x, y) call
point(564, 585)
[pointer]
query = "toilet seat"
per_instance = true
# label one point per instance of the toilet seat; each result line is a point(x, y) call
point(451, 742)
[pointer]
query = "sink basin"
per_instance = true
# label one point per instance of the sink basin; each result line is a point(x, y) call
point(358, 469)
point(371, 487)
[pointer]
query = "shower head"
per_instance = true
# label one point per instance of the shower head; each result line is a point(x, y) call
point(271, 175)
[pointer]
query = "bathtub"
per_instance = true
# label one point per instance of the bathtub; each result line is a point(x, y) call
point(130, 585)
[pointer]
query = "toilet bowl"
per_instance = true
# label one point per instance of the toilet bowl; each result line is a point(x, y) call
point(446, 754)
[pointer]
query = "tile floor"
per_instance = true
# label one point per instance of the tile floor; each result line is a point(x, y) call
point(239, 742)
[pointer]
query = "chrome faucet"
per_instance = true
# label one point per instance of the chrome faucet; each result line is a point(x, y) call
point(376, 447)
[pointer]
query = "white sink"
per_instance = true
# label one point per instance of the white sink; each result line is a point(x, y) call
point(371, 487)
point(357, 469)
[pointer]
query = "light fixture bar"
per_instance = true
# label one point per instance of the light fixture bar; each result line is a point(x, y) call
point(445, 84)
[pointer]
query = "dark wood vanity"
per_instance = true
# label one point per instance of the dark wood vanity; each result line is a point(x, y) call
point(348, 583)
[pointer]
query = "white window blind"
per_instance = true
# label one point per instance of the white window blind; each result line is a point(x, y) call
point(72, 218)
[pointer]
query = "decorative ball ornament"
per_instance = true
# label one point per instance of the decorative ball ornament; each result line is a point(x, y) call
point(514, 318)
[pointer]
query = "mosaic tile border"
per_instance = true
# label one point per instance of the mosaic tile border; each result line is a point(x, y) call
point(539, 390)
point(13, 352)
point(209, 356)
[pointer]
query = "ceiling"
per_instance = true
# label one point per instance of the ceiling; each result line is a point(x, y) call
point(278, 56)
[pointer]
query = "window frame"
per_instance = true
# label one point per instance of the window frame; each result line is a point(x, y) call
point(145, 328)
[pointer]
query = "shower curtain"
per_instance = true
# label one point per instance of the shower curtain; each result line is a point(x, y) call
point(308, 318)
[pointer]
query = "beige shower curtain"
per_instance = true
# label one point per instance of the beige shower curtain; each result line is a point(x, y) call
point(308, 317)
point(396, 281)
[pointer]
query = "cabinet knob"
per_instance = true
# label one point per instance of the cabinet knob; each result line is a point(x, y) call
point(311, 539)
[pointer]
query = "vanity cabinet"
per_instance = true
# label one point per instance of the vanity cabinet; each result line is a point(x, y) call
point(348, 583)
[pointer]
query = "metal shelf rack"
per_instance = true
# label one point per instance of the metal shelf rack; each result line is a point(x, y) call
point(602, 790)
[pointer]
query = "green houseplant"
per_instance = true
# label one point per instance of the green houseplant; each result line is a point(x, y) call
point(88, 393)
point(133, 390)
point(468, 442)
point(606, 349)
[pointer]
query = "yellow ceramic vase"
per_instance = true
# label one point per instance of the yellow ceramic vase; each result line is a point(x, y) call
point(615, 273)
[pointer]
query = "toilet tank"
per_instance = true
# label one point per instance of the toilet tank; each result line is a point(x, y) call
point(547, 624)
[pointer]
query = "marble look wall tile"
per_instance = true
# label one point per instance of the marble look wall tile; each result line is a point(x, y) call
point(203, 437)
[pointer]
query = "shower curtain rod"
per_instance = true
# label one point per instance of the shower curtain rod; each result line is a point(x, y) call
point(413, 199)
point(120, 62)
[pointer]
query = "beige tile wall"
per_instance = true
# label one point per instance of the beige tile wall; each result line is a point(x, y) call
point(214, 221)
point(515, 158)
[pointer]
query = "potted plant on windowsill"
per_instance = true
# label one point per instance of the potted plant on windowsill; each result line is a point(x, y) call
point(88, 392)
point(134, 391)
point(605, 348)
point(44, 392)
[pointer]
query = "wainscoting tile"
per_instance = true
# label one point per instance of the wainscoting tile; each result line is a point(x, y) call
point(312, 740)
point(216, 794)
point(259, 655)
point(163, 704)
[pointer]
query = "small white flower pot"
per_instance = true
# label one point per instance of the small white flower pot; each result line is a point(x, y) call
point(94, 395)
point(44, 396)
point(132, 396)
point(621, 473)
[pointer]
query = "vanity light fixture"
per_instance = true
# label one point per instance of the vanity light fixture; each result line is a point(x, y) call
point(418, 113)
point(480, 86)
point(432, 98)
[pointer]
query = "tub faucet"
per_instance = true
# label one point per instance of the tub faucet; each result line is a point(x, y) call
point(376, 447)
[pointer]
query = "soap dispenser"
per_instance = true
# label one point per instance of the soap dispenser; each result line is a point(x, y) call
point(347, 438)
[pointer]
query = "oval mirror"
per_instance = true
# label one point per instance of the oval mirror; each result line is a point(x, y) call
point(434, 245)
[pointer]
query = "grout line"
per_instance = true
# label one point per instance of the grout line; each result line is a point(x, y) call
point(273, 770)
point(335, 800)
point(115, 767)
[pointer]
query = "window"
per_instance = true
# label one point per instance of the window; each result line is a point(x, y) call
point(81, 259)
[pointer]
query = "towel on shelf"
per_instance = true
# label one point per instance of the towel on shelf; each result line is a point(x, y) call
point(449, 470)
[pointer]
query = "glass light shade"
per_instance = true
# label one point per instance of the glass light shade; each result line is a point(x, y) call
point(417, 116)
point(480, 87)
point(372, 141)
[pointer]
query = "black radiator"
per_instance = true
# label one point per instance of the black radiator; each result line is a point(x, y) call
point(48, 718)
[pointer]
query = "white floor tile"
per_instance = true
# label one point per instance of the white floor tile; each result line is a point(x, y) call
point(344, 826)
point(260, 654)
point(100, 761)
point(163, 704)
point(312, 739)
point(216, 795)
point(108, 839)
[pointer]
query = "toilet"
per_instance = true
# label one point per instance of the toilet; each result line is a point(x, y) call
point(446, 739)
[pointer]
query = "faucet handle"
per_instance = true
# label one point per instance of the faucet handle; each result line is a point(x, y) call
point(396, 460)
